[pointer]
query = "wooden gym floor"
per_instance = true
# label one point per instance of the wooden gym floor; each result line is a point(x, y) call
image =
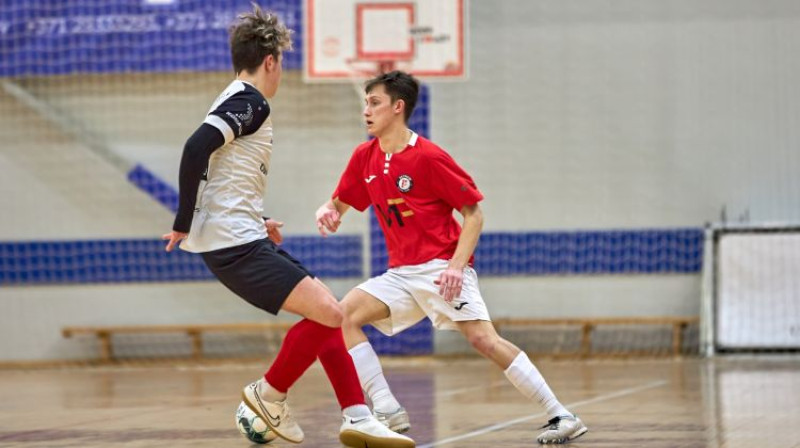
point(465, 403)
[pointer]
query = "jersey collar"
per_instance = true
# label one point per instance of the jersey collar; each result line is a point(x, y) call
point(413, 140)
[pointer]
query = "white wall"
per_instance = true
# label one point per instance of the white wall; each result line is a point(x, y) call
point(628, 113)
point(624, 114)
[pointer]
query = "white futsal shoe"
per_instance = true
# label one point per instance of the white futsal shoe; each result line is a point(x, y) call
point(397, 421)
point(562, 429)
point(368, 432)
point(275, 414)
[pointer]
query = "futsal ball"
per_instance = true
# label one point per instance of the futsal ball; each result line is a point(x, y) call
point(252, 427)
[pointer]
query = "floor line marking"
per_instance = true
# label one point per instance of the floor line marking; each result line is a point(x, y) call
point(576, 404)
point(451, 392)
point(460, 390)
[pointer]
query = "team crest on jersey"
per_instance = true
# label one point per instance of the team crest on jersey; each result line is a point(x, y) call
point(404, 183)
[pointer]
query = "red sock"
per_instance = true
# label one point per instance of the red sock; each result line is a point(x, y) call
point(298, 351)
point(341, 371)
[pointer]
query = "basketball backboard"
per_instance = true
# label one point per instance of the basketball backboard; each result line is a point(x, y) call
point(346, 39)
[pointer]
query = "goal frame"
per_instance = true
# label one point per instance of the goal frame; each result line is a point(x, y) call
point(710, 283)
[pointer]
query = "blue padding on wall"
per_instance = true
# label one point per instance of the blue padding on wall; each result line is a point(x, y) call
point(417, 340)
point(156, 188)
point(420, 121)
point(645, 251)
point(144, 260)
point(331, 257)
point(498, 254)
point(379, 255)
point(47, 37)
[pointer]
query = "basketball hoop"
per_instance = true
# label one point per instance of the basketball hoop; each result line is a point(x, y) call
point(359, 71)
point(385, 66)
point(362, 69)
point(359, 39)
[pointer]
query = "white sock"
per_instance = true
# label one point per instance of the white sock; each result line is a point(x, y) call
point(356, 411)
point(370, 374)
point(268, 392)
point(527, 379)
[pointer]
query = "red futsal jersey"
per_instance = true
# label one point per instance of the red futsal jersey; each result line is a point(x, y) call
point(413, 193)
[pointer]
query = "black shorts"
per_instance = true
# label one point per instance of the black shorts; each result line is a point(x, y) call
point(259, 272)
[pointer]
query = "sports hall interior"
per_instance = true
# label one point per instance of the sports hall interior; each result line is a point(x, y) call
point(640, 166)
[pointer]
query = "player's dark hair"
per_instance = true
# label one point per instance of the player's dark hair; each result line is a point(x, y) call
point(254, 36)
point(399, 86)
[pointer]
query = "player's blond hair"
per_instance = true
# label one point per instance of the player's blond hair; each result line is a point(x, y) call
point(255, 35)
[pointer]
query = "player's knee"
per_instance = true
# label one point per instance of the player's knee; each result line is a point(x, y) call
point(334, 315)
point(330, 313)
point(349, 320)
point(483, 342)
point(352, 315)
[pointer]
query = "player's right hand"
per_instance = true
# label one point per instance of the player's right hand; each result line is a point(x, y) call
point(273, 228)
point(173, 238)
point(328, 219)
point(450, 283)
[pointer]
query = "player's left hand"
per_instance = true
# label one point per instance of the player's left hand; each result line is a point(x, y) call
point(173, 238)
point(450, 282)
point(273, 230)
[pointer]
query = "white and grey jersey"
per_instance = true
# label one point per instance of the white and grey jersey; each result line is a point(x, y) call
point(229, 206)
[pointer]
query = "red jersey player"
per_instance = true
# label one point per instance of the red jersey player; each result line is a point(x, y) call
point(414, 194)
point(414, 186)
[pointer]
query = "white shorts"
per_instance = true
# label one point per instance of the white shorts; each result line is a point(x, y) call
point(410, 294)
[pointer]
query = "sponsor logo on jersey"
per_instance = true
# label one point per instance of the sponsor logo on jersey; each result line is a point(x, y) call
point(404, 183)
point(460, 305)
point(370, 178)
point(242, 119)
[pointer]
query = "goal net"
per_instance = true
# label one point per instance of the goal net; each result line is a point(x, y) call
point(751, 283)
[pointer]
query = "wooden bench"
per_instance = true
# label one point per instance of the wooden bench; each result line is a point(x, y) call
point(587, 326)
point(194, 331)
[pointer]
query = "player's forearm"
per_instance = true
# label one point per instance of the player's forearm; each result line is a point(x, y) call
point(194, 162)
point(470, 233)
point(333, 205)
point(339, 206)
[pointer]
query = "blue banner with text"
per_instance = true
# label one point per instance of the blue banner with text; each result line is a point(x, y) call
point(48, 37)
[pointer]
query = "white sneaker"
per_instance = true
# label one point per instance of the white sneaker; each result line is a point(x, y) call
point(363, 432)
point(562, 429)
point(397, 421)
point(275, 414)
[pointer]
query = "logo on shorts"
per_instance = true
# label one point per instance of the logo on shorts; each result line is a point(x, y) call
point(404, 183)
point(460, 305)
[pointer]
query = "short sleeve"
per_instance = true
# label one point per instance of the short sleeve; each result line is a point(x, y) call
point(241, 114)
point(450, 182)
point(352, 189)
